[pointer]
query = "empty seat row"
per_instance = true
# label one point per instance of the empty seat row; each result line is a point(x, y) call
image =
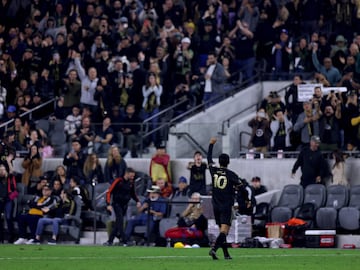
point(329, 207)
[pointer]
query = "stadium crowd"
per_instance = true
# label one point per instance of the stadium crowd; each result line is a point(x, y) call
point(122, 61)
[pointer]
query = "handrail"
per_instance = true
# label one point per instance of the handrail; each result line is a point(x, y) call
point(222, 132)
point(180, 134)
point(5, 124)
point(241, 134)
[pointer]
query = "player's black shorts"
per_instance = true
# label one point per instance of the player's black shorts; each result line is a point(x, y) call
point(223, 215)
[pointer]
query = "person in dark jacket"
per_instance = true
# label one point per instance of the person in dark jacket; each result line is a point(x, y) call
point(121, 191)
point(314, 167)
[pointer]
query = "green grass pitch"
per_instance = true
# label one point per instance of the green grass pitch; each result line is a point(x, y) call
point(40, 257)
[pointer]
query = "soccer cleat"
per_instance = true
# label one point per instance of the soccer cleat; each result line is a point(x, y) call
point(212, 253)
point(228, 257)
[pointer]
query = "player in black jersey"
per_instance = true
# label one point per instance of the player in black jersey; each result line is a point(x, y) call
point(224, 184)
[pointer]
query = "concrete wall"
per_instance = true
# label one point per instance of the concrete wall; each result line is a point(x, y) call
point(275, 173)
point(211, 122)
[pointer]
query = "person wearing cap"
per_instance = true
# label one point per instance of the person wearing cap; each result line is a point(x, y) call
point(183, 56)
point(281, 55)
point(182, 190)
point(39, 206)
point(314, 167)
point(121, 191)
point(151, 210)
point(307, 123)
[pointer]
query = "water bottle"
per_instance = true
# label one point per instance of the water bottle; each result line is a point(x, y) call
point(280, 154)
point(168, 242)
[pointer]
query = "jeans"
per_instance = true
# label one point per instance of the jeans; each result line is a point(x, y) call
point(55, 222)
point(28, 220)
point(140, 220)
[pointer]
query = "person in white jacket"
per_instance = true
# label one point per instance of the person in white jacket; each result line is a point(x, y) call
point(280, 128)
point(88, 84)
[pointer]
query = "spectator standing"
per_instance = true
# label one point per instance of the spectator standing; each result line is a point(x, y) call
point(214, 80)
point(71, 90)
point(32, 165)
point(93, 170)
point(281, 128)
point(197, 174)
point(331, 73)
point(7, 187)
point(224, 182)
point(88, 84)
point(260, 132)
point(152, 92)
point(160, 165)
point(115, 165)
point(330, 126)
point(72, 122)
point(74, 161)
point(338, 169)
point(292, 103)
point(117, 199)
point(131, 129)
point(314, 167)
point(307, 123)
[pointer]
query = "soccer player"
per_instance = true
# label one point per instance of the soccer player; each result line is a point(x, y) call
point(224, 183)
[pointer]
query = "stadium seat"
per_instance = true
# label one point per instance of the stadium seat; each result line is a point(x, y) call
point(316, 194)
point(142, 183)
point(349, 217)
point(99, 204)
point(337, 197)
point(177, 205)
point(291, 197)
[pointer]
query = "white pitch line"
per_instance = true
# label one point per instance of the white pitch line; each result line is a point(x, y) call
point(173, 256)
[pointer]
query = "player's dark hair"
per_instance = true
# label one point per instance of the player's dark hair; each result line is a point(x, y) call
point(224, 160)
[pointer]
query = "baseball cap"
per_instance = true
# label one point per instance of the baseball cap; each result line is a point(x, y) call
point(182, 179)
point(124, 20)
point(186, 40)
point(315, 139)
point(11, 109)
point(154, 189)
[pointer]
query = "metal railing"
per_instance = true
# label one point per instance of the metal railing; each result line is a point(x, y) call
point(30, 112)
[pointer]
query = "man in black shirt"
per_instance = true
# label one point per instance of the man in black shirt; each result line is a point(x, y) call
point(224, 182)
point(314, 167)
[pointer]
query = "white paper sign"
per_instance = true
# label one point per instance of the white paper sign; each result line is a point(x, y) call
point(326, 90)
point(306, 91)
